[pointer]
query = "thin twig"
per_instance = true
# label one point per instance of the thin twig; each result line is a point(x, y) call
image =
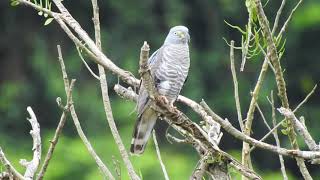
point(276, 21)
point(305, 99)
point(86, 64)
point(106, 101)
point(266, 56)
point(56, 136)
point(275, 134)
point(102, 167)
point(288, 19)
point(166, 177)
point(269, 133)
point(235, 84)
point(263, 117)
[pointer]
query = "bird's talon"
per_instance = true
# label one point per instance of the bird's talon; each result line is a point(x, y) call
point(163, 99)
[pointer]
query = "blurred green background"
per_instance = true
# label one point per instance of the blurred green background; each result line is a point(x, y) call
point(30, 76)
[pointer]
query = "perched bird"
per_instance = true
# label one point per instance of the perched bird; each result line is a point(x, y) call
point(169, 67)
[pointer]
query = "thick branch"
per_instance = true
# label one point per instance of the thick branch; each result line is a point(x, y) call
point(200, 169)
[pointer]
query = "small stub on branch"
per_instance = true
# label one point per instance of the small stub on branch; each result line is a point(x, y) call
point(144, 56)
point(145, 46)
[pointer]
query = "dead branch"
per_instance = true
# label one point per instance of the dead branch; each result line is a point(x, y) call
point(102, 167)
point(282, 92)
point(163, 167)
point(105, 97)
point(9, 167)
point(32, 166)
point(60, 126)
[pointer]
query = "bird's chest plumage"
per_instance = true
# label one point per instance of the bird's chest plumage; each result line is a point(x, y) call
point(173, 70)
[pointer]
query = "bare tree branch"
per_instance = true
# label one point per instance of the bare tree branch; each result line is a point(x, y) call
point(275, 134)
point(304, 133)
point(102, 167)
point(282, 92)
point(283, 29)
point(237, 134)
point(166, 177)
point(279, 12)
point(282, 121)
point(62, 121)
point(106, 100)
point(9, 167)
point(209, 137)
point(305, 99)
point(235, 84)
point(246, 160)
point(32, 166)
point(86, 64)
point(200, 169)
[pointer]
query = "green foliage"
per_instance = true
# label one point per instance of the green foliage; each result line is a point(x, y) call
point(48, 21)
point(308, 16)
point(14, 3)
point(42, 4)
point(252, 10)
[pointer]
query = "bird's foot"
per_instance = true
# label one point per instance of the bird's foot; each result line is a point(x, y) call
point(162, 99)
point(175, 109)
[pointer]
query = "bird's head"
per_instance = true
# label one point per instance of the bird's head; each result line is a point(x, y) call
point(178, 35)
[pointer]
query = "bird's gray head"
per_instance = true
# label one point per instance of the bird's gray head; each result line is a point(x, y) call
point(178, 35)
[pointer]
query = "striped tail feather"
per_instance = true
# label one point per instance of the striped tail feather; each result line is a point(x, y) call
point(142, 131)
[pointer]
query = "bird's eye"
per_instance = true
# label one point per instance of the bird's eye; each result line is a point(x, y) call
point(175, 33)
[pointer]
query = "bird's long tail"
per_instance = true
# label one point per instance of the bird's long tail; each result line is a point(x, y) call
point(142, 131)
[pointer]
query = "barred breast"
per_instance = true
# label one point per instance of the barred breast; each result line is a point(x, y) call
point(173, 70)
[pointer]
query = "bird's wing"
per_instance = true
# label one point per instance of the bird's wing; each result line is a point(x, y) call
point(154, 61)
point(146, 115)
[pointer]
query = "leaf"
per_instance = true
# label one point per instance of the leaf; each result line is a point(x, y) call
point(235, 27)
point(284, 131)
point(49, 6)
point(14, 3)
point(48, 21)
point(284, 124)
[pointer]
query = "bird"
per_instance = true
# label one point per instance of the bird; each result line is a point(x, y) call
point(169, 67)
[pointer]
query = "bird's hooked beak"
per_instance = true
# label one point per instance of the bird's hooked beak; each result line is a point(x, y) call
point(182, 35)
